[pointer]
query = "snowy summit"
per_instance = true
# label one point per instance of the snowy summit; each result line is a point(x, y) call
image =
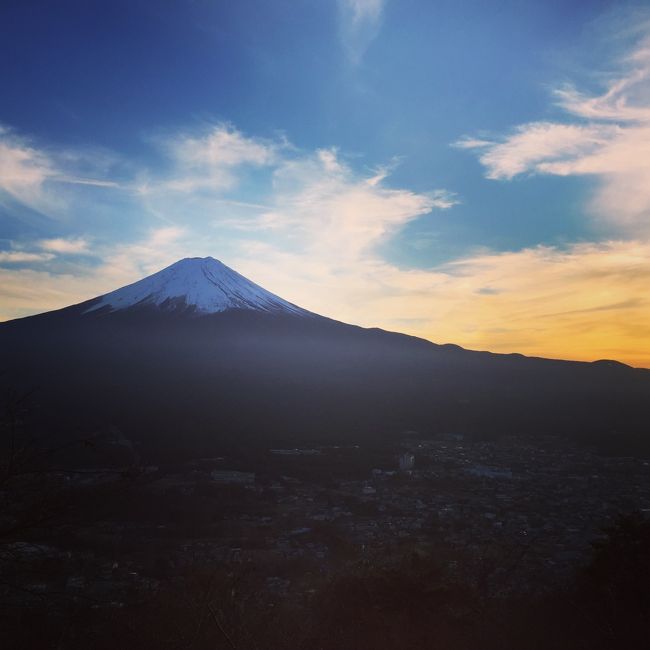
point(202, 284)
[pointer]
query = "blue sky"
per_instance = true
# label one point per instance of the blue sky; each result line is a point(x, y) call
point(385, 162)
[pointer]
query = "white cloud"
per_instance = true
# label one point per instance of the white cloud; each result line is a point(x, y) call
point(51, 248)
point(74, 246)
point(23, 170)
point(443, 199)
point(19, 257)
point(537, 145)
point(611, 141)
point(320, 202)
point(222, 146)
point(312, 201)
point(211, 161)
point(360, 21)
point(41, 179)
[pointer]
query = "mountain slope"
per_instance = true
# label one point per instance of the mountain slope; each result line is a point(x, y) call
point(195, 356)
point(203, 285)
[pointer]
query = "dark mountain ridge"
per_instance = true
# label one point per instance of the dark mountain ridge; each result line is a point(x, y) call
point(253, 368)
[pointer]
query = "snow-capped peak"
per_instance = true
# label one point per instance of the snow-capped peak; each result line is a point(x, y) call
point(202, 284)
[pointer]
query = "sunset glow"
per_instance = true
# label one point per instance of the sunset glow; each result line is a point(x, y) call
point(523, 227)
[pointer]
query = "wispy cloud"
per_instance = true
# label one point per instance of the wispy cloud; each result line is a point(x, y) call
point(73, 246)
point(93, 182)
point(360, 21)
point(333, 211)
point(23, 170)
point(20, 257)
point(609, 138)
point(212, 159)
point(39, 178)
point(539, 146)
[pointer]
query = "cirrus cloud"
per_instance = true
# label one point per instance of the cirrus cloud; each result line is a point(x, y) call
point(360, 21)
point(338, 213)
point(610, 142)
point(23, 170)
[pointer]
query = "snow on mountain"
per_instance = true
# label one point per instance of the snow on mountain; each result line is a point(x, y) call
point(202, 284)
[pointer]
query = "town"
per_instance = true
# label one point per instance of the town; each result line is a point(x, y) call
point(512, 515)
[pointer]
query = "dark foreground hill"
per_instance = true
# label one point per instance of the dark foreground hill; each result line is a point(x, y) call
point(198, 357)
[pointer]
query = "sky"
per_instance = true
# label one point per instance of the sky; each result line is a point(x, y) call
point(469, 172)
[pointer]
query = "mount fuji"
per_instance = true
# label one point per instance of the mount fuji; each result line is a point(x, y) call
point(198, 356)
point(199, 285)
